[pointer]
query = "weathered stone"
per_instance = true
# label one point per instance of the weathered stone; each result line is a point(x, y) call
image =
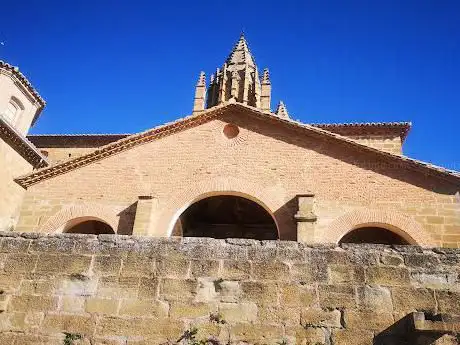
point(279, 315)
point(408, 299)
point(20, 263)
point(273, 270)
point(148, 288)
point(374, 298)
point(14, 245)
point(72, 304)
point(392, 276)
point(59, 323)
point(306, 336)
point(26, 303)
point(315, 317)
point(175, 267)
point(114, 287)
point(352, 336)
point(205, 268)
point(256, 333)
point(310, 273)
point(191, 310)
point(101, 306)
point(71, 264)
point(339, 274)
point(178, 289)
point(137, 265)
point(295, 295)
point(261, 293)
point(236, 270)
point(369, 320)
point(391, 259)
point(107, 265)
point(238, 312)
point(337, 296)
point(421, 260)
point(448, 302)
point(135, 307)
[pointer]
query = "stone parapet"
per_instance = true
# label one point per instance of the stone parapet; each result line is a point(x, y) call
point(111, 289)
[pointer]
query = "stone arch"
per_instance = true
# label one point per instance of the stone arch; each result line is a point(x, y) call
point(56, 223)
point(271, 198)
point(402, 225)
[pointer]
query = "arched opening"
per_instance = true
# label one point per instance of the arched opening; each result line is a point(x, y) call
point(374, 235)
point(87, 225)
point(226, 216)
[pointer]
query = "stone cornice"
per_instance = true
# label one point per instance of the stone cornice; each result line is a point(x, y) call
point(21, 145)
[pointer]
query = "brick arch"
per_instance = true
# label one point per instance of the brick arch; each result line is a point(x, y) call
point(271, 198)
point(57, 222)
point(399, 223)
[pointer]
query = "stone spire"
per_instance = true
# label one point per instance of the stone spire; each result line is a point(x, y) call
point(266, 90)
point(238, 78)
point(281, 110)
point(200, 94)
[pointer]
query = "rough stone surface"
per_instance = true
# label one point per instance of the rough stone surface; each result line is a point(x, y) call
point(262, 300)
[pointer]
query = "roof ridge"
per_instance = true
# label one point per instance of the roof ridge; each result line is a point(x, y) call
point(181, 123)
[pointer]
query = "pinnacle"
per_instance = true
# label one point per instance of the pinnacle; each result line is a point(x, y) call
point(266, 77)
point(281, 110)
point(241, 53)
point(201, 79)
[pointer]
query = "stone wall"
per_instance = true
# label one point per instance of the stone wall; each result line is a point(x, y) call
point(114, 290)
point(381, 142)
point(12, 165)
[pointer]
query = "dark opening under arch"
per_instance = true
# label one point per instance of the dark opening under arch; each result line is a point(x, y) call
point(226, 216)
point(374, 235)
point(88, 225)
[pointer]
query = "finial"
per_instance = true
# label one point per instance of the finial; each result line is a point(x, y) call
point(201, 79)
point(211, 78)
point(266, 77)
point(281, 110)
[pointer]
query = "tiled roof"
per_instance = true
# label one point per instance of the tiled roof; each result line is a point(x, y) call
point(21, 145)
point(363, 128)
point(183, 123)
point(27, 84)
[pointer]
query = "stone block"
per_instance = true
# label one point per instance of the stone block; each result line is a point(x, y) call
point(38, 287)
point(296, 295)
point(63, 264)
point(339, 274)
point(205, 268)
point(279, 315)
point(390, 276)
point(75, 285)
point(236, 270)
point(25, 303)
point(407, 299)
point(59, 323)
point(137, 265)
point(10, 282)
point(20, 263)
point(374, 297)
point(352, 337)
point(448, 302)
point(14, 245)
point(421, 260)
point(306, 336)
point(178, 289)
point(150, 329)
point(263, 294)
point(256, 333)
point(391, 259)
point(337, 296)
point(135, 307)
point(101, 305)
point(118, 287)
point(315, 317)
point(310, 273)
point(271, 270)
point(191, 310)
point(238, 312)
point(175, 267)
point(107, 265)
point(72, 304)
point(369, 320)
point(227, 290)
point(148, 288)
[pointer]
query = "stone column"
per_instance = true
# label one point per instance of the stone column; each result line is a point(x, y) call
point(145, 206)
point(305, 218)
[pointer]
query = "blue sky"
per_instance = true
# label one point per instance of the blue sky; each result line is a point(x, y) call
point(125, 66)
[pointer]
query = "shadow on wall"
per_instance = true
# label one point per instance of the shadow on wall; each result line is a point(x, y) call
point(126, 222)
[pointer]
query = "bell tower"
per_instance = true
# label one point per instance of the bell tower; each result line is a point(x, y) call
point(239, 79)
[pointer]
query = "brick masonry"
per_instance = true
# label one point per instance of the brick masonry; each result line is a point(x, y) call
point(268, 163)
point(136, 290)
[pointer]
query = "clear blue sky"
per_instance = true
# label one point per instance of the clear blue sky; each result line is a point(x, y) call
point(125, 66)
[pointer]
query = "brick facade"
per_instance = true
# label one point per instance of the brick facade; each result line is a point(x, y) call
point(270, 163)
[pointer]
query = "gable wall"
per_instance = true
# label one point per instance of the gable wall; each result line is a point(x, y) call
point(266, 161)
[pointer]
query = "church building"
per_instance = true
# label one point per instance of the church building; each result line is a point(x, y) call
point(237, 167)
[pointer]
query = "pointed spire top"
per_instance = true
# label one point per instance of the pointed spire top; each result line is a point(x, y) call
point(241, 53)
point(281, 110)
point(266, 76)
point(201, 79)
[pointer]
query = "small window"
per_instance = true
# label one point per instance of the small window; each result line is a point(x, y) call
point(13, 110)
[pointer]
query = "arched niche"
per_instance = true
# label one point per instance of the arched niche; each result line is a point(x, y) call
point(87, 225)
point(376, 234)
point(226, 216)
